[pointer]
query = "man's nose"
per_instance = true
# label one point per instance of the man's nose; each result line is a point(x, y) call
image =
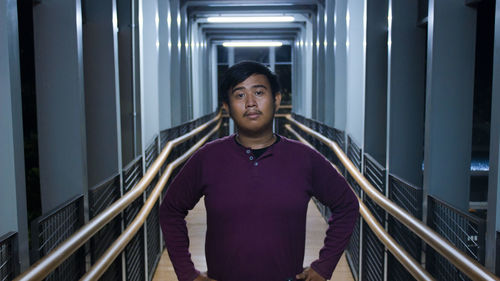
point(251, 102)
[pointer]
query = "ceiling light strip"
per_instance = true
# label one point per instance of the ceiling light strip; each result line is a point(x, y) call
point(252, 44)
point(246, 19)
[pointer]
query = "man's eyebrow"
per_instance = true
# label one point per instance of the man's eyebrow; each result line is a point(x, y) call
point(254, 86)
point(237, 89)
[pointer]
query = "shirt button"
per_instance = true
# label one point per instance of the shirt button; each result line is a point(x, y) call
point(256, 164)
point(251, 157)
point(248, 151)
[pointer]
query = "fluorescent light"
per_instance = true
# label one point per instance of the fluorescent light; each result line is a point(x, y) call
point(244, 19)
point(252, 44)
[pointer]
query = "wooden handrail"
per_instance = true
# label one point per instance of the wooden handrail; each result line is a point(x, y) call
point(464, 263)
point(413, 266)
point(52, 260)
point(113, 251)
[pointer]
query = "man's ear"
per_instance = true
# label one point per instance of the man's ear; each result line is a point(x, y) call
point(225, 106)
point(277, 101)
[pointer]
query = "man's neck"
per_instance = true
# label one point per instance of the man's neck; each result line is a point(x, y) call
point(256, 142)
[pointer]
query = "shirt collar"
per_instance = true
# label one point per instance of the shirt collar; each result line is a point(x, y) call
point(240, 149)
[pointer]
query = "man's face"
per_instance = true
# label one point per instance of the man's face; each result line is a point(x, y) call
point(252, 106)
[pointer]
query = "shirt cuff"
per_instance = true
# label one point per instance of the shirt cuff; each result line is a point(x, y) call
point(320, 271)
point(196, 274)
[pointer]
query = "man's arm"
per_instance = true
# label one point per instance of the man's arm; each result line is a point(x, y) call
point(331, 189)
point(182, 195)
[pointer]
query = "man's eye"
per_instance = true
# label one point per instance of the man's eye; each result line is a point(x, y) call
point(259, 93)
point(240, 95)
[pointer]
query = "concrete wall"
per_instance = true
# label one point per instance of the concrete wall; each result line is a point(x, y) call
point(164, 64)
point(405, 92)
point(60, 101)
point(149, 44)
point(102, 92)
point(376, 80)
point(356, 55)
point(449, 101)
point(340, 52)
point(12, 174)
point(493, 227)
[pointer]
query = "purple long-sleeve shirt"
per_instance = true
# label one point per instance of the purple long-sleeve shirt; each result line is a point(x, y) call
point(256, 211)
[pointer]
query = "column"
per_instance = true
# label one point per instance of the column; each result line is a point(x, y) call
point(405, 92)
point(213, 77)
point(449, 101)
point(320, 64)
point(356, 55)
point(493, 223)
point(149, 43)
point(128, 63)
point(175, 63)
point(102, 91)
point(230, 62)
point(329, 66)
point(308, 84)
point(12, 174)
point(376, 80)
point(60, 101)
point(340, 53)
point(272, 58)
point(164, 66)
point(185, 67)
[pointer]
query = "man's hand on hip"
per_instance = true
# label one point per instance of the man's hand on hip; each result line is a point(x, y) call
point(310, 275)
point(203, 277)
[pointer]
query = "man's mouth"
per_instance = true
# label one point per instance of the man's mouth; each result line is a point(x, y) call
point(252, 114)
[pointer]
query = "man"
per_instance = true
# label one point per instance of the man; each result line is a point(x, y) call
point(256, 186)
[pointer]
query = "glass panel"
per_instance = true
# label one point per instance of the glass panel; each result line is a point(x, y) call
point(284, 72)
point(255, 54)
point(284, 54)
point(221, 54)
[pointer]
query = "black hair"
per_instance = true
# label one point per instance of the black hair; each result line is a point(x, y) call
point(240, 72)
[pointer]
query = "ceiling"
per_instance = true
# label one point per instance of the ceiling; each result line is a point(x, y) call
point(302, 10)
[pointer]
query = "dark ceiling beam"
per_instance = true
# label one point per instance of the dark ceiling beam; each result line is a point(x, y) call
point(302, 9)
point(251, 30)
point(256, 26)
point(231, 38)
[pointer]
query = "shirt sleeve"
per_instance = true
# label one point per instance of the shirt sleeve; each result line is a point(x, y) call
point(331, 189)
point(182, 195)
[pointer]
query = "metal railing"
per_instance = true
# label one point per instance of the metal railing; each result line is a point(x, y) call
point(466, 232)
point(464, 263)
point(118, 246)
point(102, 196)
point(145, 212)
point(9, 266)
point(132, 173)
point(373, 249)
point(411, 264)
point(51, 229)
point(64, 250)
point(408, 197)
point(354, 152)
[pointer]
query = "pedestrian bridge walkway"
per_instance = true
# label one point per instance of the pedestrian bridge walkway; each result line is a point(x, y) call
point(196, 223)
point(122, 240)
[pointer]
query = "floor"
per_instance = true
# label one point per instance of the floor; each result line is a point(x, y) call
point(196, 222)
